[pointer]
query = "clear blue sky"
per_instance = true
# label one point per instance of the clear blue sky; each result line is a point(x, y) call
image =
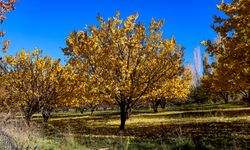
point(46, 23)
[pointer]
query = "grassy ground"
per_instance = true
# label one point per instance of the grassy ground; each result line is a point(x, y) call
point(224, 126)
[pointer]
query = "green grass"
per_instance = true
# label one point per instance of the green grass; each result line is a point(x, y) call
point(223, 126)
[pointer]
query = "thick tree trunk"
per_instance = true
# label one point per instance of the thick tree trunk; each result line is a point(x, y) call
point(123, 115)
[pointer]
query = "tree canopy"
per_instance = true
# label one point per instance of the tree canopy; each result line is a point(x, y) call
point(123, 59)
point(231, 71)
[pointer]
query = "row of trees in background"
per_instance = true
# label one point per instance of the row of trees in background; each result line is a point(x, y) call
point(124, 64)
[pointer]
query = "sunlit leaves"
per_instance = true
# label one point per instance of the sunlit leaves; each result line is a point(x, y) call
point(34, 82)
point(231, 70)
point(5, 6)
point(121, 60)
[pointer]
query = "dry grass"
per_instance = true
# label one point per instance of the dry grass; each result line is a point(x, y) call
point(32, 137)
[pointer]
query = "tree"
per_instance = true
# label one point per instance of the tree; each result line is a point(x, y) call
point(88, 96)
point(125, 60)
point(57, 89)
point(198, 94)
point(176, 88)
point(5, 7)
point(196, 71)
point(232, 70)
point(212, 84)
point(85, 94)
point(32, 82)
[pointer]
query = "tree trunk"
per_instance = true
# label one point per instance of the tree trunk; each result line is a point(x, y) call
point(248, 96)
point(81, 111)
point(163, 104)
point(46, 112)
point(46, 117)
point(29, 110)
point(123, 115)
point(225, 97)
point(28, 113)
point(155, 104)
point(226, 100)
point(155, 108)
point(92, 111)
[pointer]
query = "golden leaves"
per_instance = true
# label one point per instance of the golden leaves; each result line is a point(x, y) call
point(117, 15)
point(120, 59)
point(5, 46)
point(56, 62)
point(5, 6)
point(29, 76)
point(231, 48)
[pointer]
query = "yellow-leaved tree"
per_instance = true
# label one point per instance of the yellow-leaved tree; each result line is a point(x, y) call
point(126, 60)
point(5, 7)
point(176, 88)
point(87, 93)
point(34, 83)
point(231, 71)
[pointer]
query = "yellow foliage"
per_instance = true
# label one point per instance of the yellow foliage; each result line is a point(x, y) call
point(231, 69)
point(120, 62)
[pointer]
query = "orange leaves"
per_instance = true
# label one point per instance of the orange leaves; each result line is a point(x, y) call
point(6, 6)
point(56, 62)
